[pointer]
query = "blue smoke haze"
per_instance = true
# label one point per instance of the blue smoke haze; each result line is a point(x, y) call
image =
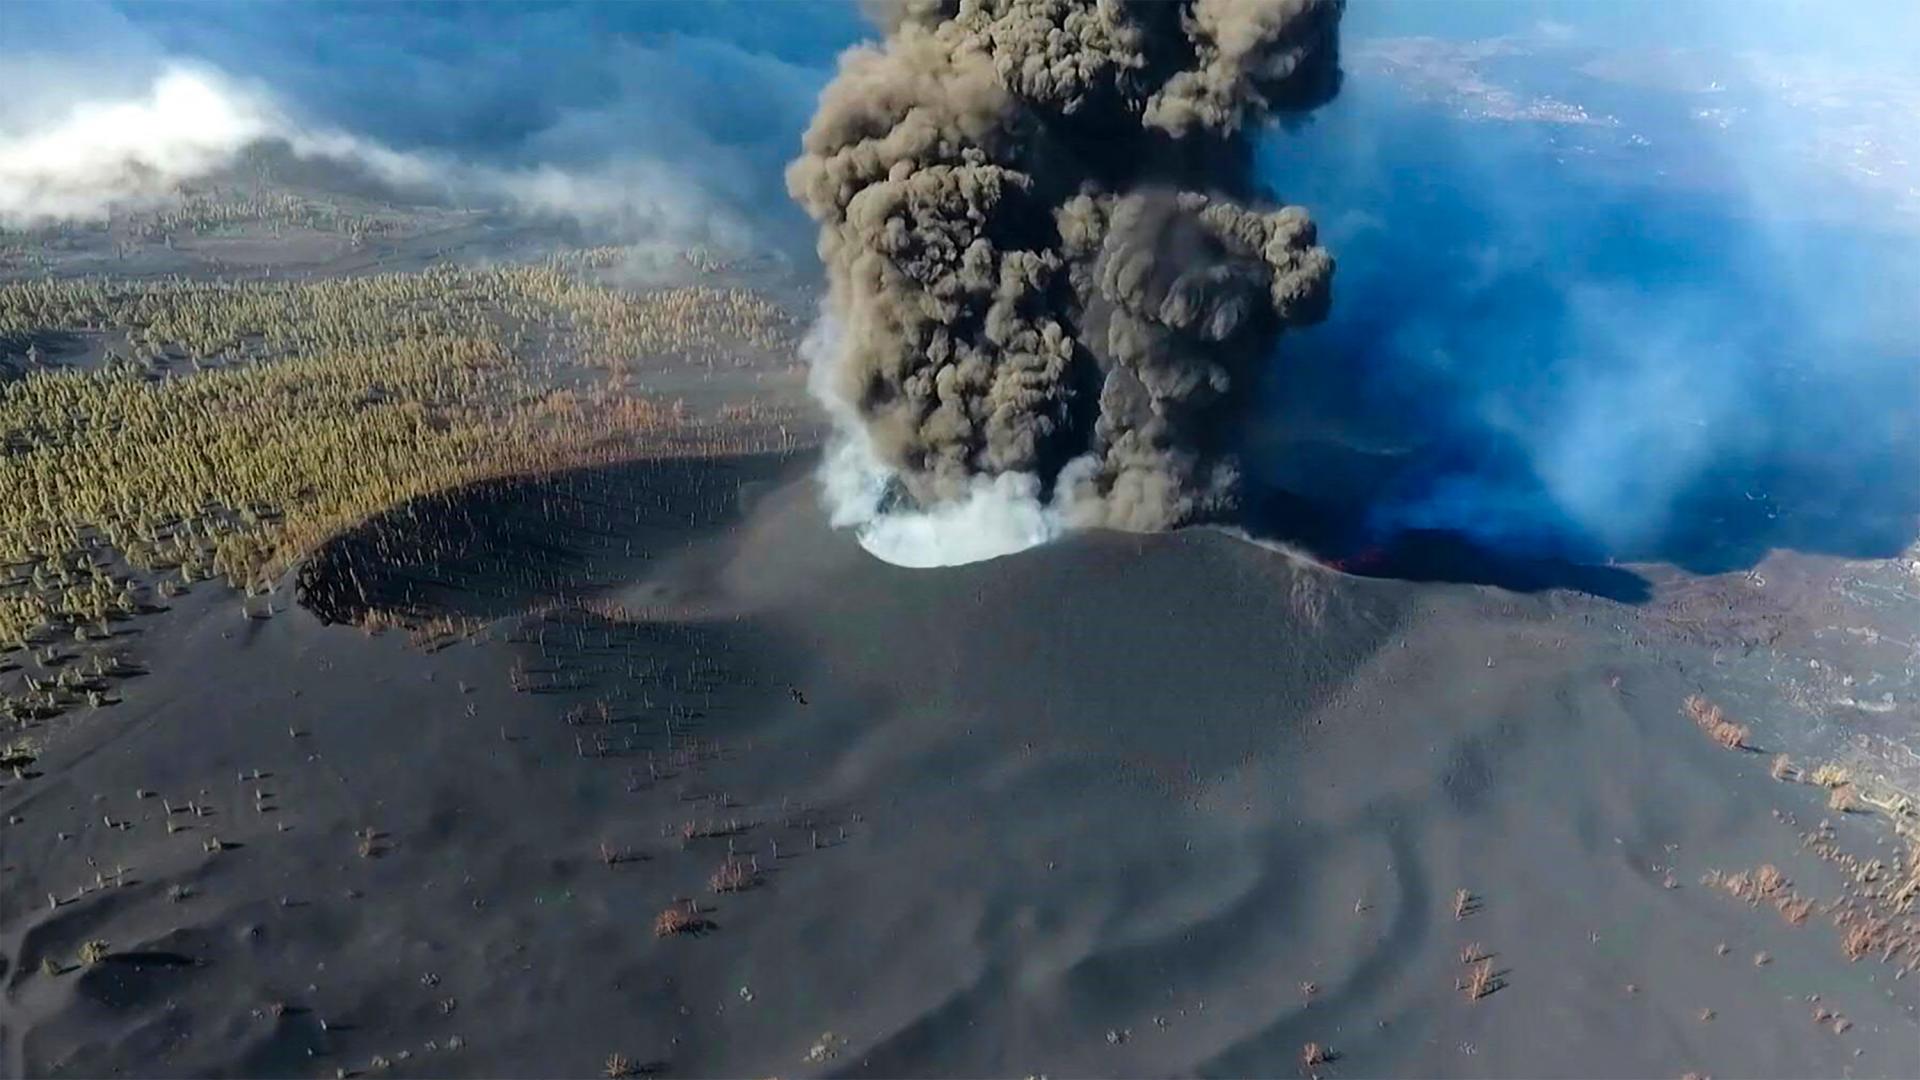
point(1645, 341)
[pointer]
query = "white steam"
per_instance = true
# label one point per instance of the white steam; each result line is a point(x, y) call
point(131, 152)
point(88, 158)
point(999, 516)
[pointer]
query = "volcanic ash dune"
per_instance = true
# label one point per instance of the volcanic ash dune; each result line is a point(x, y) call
point(1120, 805)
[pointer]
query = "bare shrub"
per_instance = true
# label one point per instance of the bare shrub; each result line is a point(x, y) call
point(1858, 941)
point(1769, 880)
point(733, 876)
point(1794, 909)
point(1713, 720)
point(1480, 981)
point(684, 918)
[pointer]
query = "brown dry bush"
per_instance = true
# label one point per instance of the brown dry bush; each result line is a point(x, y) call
point(1740, 885)
point(1859, 941)
point(1713, 720)
point(1794, 909)
point(1769, 880)
point(1831, 775)
point(684, 918)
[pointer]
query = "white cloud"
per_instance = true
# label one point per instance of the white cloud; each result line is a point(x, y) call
point(83, 160)
point(101, 154)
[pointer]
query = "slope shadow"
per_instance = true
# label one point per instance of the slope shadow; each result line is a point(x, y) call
point(1344, 535)
point(1478, 513)
point(500, 547)
point(53, 346)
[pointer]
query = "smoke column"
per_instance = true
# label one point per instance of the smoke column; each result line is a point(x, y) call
point(1053, 275)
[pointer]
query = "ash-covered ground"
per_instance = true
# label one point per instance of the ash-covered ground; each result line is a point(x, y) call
point(669, 776)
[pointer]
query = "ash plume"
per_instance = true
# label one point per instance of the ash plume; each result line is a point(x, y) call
point(1052, 270)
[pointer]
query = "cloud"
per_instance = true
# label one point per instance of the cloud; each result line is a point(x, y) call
point(132, 151)
point(193, 123)
point(662, 120)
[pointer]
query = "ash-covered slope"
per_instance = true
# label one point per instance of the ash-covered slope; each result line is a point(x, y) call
point(1122, 805)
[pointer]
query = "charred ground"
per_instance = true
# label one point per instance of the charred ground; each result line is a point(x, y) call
point(629, 763)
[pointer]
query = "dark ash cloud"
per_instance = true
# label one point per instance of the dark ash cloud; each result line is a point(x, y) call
point(1048, 254)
